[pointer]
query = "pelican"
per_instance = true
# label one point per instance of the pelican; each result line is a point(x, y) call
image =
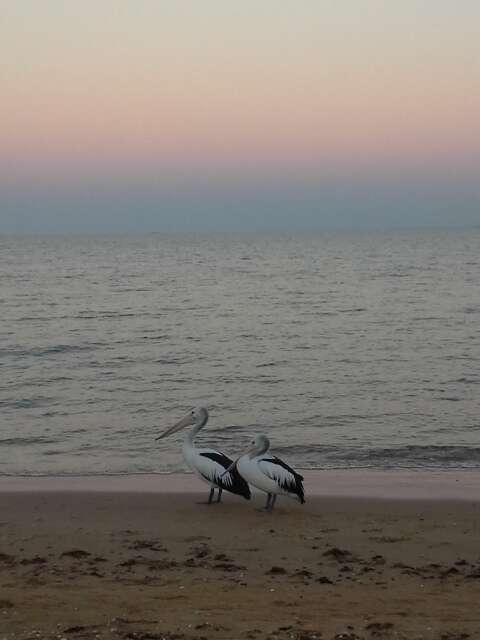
point(269, 473)
point(211, 466)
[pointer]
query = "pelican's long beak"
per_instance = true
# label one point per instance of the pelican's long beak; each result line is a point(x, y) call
point(186, 421)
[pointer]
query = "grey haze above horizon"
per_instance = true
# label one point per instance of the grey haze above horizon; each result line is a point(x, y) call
point(281, 206)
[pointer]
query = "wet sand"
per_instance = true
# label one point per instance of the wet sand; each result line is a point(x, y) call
point(361, 483)
point(141, 565)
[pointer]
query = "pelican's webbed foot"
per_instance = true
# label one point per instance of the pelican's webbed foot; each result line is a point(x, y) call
point(210, 497)
point(269, 504)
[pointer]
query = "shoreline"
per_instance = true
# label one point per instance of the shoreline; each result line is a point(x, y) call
point(456, 485)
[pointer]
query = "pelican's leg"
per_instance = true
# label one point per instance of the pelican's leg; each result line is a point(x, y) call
point(219, 497)
point(267, 506)
point(210, 497)
point(272, 502)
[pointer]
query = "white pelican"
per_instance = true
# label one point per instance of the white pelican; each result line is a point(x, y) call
point(269, 473)
point(210, 465)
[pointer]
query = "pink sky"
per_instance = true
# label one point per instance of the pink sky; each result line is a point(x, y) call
point(302, 86)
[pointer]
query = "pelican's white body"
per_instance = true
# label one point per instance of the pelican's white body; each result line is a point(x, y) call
point(203, 467)
point(250, 470)
point(264, 475)
point(211, 466)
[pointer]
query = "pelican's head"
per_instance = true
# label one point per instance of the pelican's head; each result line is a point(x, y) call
point(261, 444)
point(197, 417)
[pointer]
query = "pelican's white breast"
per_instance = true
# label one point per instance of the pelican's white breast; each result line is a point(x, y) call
point(250, 470)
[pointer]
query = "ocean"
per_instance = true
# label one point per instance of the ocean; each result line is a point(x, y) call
point(348, 349)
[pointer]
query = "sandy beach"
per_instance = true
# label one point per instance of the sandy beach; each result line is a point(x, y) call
point(111, 563)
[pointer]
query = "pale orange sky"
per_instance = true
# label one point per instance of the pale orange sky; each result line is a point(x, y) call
point(192, 82)
point(218, 90)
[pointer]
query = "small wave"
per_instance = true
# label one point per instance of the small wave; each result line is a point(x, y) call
point(429, 453)
point(273, 363)
point(52, 414)
point(472, 309)
point(24, 403)
point(34, 319)
point(235, 428)
point(37, 352)
point(62, 348)
point(410, 456)
point(91, 474)
point(18, 441)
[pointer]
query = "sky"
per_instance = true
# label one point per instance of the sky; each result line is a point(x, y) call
point(122, 116)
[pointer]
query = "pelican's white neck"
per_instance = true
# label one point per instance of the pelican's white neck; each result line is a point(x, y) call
point(200, 422)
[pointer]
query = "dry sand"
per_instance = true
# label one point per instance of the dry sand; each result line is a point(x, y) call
point(145, 566)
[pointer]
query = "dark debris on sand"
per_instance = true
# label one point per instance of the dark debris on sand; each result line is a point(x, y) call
point(6, 604)
point(77, 554)
point(6, 559)
point(143, 560)
point(151, 545)
point(126, 629)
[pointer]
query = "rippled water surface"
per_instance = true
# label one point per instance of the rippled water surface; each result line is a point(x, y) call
point(347, 349)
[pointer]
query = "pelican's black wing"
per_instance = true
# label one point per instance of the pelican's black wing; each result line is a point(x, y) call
point(286, 477)
point(216, 463)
